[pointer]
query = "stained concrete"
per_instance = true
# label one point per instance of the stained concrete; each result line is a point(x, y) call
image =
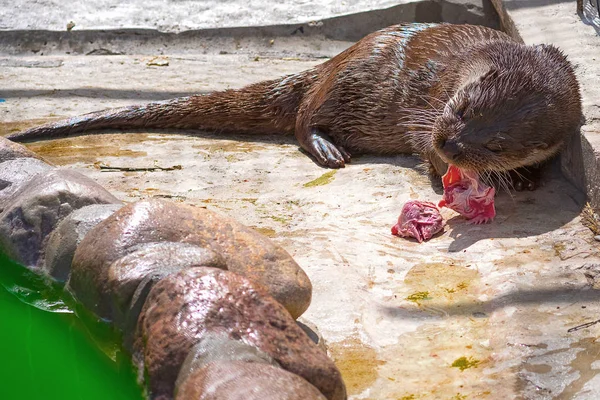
point(479, 312)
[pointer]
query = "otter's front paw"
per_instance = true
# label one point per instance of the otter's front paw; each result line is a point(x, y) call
point(325, 152)
point(525, 178)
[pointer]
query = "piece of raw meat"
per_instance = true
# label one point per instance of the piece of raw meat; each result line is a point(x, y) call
point(468, 196)
point(418, 219)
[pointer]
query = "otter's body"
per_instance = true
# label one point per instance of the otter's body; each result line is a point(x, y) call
point(463, 94)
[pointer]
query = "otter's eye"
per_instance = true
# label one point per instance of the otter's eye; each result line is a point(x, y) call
point(494, 147)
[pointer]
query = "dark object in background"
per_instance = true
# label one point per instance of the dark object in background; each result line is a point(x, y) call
point(589, 11)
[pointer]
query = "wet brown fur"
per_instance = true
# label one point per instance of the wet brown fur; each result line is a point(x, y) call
point(452, 93)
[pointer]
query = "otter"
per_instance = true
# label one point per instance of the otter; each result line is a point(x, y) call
point(454, 94)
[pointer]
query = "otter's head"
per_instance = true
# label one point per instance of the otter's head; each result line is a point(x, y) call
point(503, 117)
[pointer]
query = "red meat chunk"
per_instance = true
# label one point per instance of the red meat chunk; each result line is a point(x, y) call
point(419, 219)
point(467, 195)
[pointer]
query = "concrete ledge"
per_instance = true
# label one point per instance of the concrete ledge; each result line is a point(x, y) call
point(180, 16)
point(325, 37)
point(557, 22)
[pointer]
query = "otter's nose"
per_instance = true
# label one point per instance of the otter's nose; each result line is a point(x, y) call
point(451, 149)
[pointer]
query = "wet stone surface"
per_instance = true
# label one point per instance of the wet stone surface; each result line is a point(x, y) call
point(240, 380)
point(17, 172)
point(184, 307)
point(63, 241)
point(217, 347)
point(245, 251)
point(35, 210)
point(129, 279)
point(10, 151)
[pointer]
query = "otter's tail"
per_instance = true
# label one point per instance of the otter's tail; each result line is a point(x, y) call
point(264, 107)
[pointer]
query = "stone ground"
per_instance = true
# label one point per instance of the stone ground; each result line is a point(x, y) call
point(479, 312)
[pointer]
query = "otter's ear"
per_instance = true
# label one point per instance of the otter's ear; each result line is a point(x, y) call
point(480, 73)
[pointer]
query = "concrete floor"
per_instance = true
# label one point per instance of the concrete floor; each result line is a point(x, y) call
point(478, 312)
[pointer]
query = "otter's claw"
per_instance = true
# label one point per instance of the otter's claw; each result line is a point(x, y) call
point(326, 153)
point(526, 178)
point(524, 185)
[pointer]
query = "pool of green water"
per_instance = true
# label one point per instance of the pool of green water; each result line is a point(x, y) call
point(46, 352)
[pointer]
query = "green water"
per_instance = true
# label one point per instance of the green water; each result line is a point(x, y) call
point(50, 354)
